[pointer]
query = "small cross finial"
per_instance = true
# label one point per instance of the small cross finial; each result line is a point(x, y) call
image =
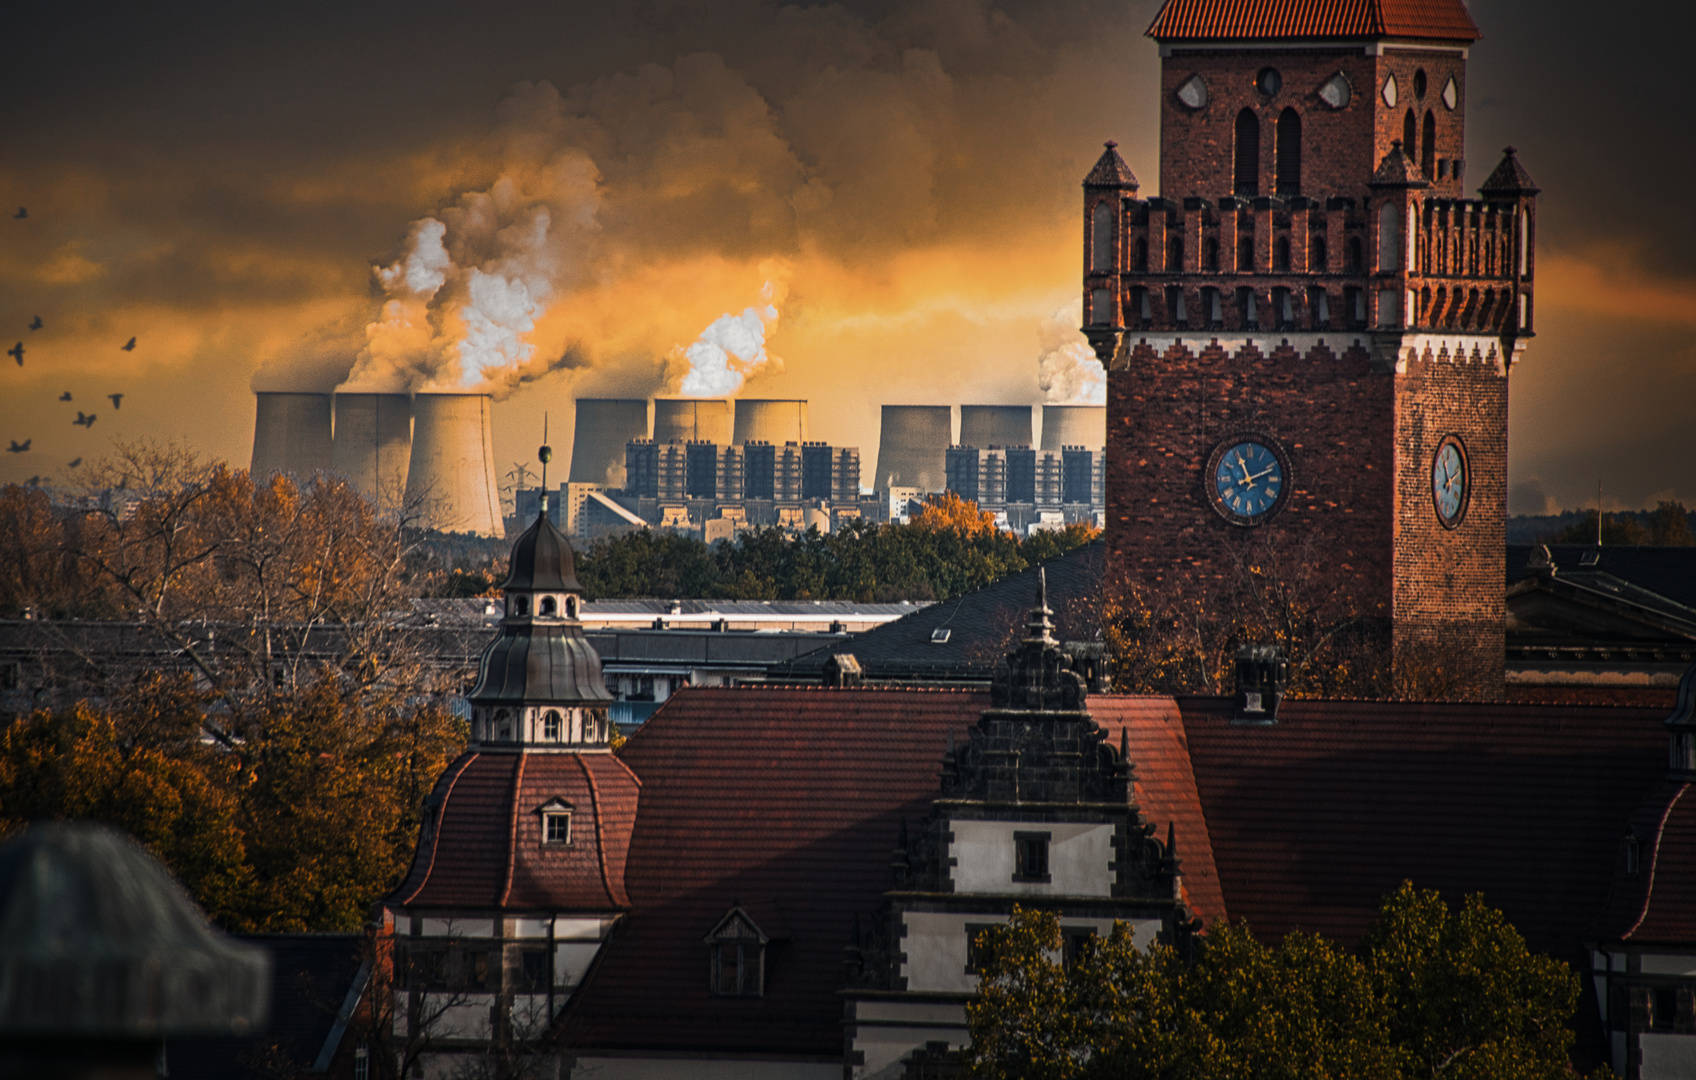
point(1110, 144)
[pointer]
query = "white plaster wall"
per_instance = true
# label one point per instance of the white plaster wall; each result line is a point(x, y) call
point(1666, 1056)
point(589, 1067)
point(885, 1047)
point(1668, 964)
point(935, 946)
point(580, 929)
point(571, 961)
point(1079, 856)
point(434, 927)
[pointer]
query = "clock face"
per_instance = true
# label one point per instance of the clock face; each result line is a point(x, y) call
point(1247, 477)
point(1449, 481)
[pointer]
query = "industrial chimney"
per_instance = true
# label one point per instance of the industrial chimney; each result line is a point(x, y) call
point(1074, 425)
point(604, 425)
point(451, 477)
point(912, 449)
point(372, 444)
point(770, 420)
point(692, 420)
point(291, 434)
point(995, 425)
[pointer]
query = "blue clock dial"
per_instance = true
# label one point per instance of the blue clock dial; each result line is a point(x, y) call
point(1248, 480)
point(1448, 481)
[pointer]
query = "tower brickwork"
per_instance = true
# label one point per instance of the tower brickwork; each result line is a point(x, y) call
point(1308, 333)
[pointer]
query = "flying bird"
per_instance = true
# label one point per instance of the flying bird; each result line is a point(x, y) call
point(34, 481)
point(22, 213)
point(74, 463)
point(115, 399)
point(19, 447)
point(66, 396)
point(16, 352)
point(128, 346)
point(84, 419)
point(36, 325)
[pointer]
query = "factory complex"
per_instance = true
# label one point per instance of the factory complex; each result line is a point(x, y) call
point(708, 467)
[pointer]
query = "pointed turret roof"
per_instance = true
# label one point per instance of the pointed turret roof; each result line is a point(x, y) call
point(1398, 170)
point(1254, 20)
point(1510, 178)
point(542, 559)
point(1110, 170)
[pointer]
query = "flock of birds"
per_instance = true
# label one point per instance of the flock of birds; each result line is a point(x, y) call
point(84, 420)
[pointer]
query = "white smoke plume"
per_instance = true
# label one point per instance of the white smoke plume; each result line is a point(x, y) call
point(730, 350)
point(1067, 370)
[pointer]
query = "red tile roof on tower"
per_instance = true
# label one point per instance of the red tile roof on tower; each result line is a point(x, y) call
point(1212, 20)
point(486, 847)
point(789, 801)
point(1656, 902)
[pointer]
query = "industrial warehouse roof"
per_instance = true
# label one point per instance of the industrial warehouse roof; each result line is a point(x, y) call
point(792, 799)
point(1442, 20)
point(1669, 572)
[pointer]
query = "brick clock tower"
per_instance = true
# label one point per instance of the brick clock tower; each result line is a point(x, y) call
point(1308, 333)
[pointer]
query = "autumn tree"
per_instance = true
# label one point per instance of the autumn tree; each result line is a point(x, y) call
point(1432, 992)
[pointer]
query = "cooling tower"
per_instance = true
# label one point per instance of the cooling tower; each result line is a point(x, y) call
point(770, 420)
point(995, 425)
point(291, 433)
point(451, 478)
point(372, 444)
point(1074, 425)
point(692, 420)
point(604, 425)
point(912, 448)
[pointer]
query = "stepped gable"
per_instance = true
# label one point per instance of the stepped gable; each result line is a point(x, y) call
point(1316, 818)
point(1430, 20)
point(481, 842)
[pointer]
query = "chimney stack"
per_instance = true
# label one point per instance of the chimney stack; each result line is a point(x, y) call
point(291, 434)
point(451, 476)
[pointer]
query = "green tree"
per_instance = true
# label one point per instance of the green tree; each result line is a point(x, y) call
point(1432, 993)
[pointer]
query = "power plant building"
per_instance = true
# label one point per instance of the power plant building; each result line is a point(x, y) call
point(291, 434)
point(451, 475)
point(912, 447)
point(373, 444)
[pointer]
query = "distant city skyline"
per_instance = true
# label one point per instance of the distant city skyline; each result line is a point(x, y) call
point(858, 204)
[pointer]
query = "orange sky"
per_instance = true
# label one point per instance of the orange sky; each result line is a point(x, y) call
point(903, 178)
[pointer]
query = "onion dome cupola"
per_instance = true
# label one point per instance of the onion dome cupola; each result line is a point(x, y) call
point(539, 684)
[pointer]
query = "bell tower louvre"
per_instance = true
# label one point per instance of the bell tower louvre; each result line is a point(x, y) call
point(1308, 332)
point(518, 877)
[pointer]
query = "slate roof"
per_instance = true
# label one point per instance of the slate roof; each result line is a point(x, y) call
point(789, 801)
point(1668, 572)
point(1509, 178)
point(1440, 20)
point(482, 842)
point(982, 625)
point(1110, 170)
point(310, 978)
point(1398, 170)
point(1315, 819)
point(539, 662)
point(542, 559)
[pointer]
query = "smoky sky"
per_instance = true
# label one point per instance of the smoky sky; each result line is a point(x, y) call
point(222, 180)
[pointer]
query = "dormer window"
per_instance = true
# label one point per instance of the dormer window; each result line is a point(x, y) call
point(736, 956)
point(556, 822)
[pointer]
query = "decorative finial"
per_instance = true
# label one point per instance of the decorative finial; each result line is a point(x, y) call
point(544, 454)
point(1110, 144)
point(1509, 151)
point(1395, 144)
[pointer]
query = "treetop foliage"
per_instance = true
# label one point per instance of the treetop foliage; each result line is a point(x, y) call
point(1432, 992)
point(1667, 525)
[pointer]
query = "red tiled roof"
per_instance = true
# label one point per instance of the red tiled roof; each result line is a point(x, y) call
point(486, 850)
point(789, 800)
point(1314, 820)
point(1165, 790)
point(1443, 20)
point(1658, 902)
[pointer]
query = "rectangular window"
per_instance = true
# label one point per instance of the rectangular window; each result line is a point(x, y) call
point(533, 970)
point(1281, 305)
point(736, 969)
point(1319, 303)
point(1355, 299)
point(1663, 1007)
point(1175, 306)
point(362, 1062)
point(1079, 940)
point(556, 828)
point(1030, 856)
point(1101, 307)
point(1214, 307)
point(1389, 300)
point(1245, 309)
point(977, 947)
point(1139, 302)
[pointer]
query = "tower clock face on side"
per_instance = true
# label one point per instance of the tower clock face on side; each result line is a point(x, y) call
point(1247, 478)
point(1450, 481)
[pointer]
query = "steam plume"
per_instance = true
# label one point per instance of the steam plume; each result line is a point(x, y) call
point(1067, 370)
point(730, 350)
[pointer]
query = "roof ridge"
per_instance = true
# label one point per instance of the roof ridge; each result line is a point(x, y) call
point(436, 830)
point(512, 836)
point(1654, 858)
point(600, 835)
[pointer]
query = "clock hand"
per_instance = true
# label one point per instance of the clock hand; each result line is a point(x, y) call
point(1262, 472)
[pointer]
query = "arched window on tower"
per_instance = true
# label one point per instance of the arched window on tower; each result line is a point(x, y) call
point(1317, 260)
point(1210, 254)
point(1175, 254)
point(1245, 254)
point(1247, 164)
point(1281, 255)
point(1141, 266)
point(1428, 147)
point(1389, 239)
point(1101, 237)
point(1410, 133)
point(1289, 153)
point(1354, 253)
